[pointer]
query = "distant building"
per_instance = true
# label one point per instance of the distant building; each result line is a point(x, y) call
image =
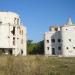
point(60, 40)
point(12, 34)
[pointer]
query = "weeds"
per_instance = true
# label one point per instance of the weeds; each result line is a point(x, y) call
point(36, 65)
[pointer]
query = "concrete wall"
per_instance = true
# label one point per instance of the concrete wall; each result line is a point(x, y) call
point(49, 36)
point(68, 43)
point(66, 34)
point(9, 17)
point(12, 33)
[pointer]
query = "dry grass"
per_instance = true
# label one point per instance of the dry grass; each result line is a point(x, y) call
point(36, 65)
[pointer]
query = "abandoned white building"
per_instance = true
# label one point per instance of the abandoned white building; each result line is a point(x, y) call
point(60, 40)
point(12, 34)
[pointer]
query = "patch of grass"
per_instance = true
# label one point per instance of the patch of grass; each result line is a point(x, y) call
point(36, 65)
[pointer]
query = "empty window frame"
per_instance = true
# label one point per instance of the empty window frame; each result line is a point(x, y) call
point(69, 40)
point(67, 48)
point(56, 29)
point(13, 31)
point(59, 48)
point(0, 22)
point(52, 40)
point(13, 40)
point(59, 40)
point(73, 47)
point(47, 48)
point(47, 41)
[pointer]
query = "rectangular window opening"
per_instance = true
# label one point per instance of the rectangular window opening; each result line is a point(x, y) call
point(47, 48)
point(59, 48)
point(13, 30)
point(73, 47)
point(59, 40)
point(52, 40)
point(67, 48)
point(47, 41)
point(70, 40)
point(13, 40)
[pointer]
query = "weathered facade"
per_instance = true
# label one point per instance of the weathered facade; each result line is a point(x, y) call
point(60, 40)
point(12, 34)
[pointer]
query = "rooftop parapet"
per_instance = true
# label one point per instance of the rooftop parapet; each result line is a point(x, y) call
point(54, 28)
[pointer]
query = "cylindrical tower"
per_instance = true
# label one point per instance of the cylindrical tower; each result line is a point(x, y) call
point(9, 17)
point(12, 35)
point(68, 40)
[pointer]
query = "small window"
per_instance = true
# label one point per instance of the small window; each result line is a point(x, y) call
point(59, 48)
point(52, 40)
point(13, 40)
point(47, 41)
point(56, 29)
point(0, 22)
point(17, 38)
point(67, 48)
point(13, 31)
point(70, 40)
point(59, 40)
point(47, 48)
point(73, 47)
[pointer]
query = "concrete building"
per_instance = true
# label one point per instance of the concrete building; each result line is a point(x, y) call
point(60, 40)
point(12, 34)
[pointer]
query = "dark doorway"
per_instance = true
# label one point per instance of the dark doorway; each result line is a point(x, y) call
point(53, 51)
point(21, 51)
point(10, 52)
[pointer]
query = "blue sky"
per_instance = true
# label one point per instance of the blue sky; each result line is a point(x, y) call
point(38, 15)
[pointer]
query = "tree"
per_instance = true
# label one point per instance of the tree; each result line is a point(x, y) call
point(35, 48)
point(29, 46)
point(39, 48)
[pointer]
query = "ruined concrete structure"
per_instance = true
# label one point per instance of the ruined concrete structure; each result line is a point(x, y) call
point(60, 40)
point(12, 34)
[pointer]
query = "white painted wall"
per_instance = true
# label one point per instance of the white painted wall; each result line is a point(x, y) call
point(7, 22)
point(67, 35)
point(68, 32)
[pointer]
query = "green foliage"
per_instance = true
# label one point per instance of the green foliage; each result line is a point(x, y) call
point(30, 46)
point(35, 48)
